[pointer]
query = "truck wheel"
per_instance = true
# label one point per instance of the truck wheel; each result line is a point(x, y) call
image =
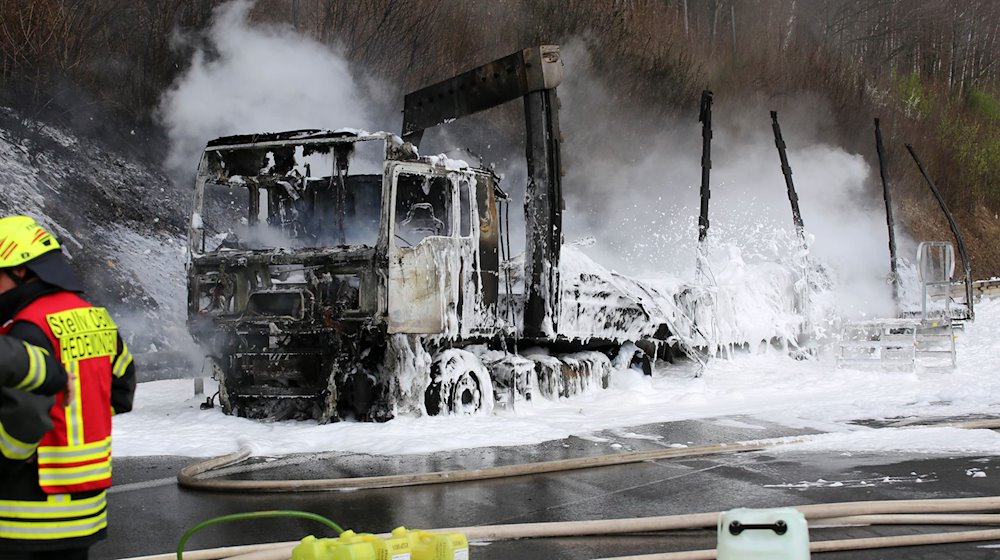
point(459, 384)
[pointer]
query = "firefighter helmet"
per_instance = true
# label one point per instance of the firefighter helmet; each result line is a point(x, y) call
point(24, 242)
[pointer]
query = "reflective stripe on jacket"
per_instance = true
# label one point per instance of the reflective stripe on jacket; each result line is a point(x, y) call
point(23, 367)
point(58, 517)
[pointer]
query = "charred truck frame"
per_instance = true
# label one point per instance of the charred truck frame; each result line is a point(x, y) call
point(364, 295)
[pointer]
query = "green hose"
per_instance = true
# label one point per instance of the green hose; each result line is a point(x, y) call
point(252, 515)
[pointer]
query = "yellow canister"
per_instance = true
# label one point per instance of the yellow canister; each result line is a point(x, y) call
point(427, 545)
point(390, 548)
point(349, 546)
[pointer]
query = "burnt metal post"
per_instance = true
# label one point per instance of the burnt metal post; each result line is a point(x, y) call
point(954, 230)
point(803, 288)
point(893, 263)
point(253, 194)
point(786, 170)
point(542, 214)
point(340, 170)
point(532, 74)
point(705, 118)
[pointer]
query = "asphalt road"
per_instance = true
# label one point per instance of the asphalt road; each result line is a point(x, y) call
point(149, 513)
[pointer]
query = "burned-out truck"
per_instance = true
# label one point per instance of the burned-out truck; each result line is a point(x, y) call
point(341, 274)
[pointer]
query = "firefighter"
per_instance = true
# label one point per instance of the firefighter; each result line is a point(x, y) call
point(53, 501)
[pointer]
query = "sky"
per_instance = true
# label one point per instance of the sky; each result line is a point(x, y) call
point(768, 385)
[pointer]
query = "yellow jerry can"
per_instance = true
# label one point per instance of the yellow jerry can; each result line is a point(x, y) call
point(428, 545)
point(348, 546)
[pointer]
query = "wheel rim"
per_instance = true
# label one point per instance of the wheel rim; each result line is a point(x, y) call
point(466, 395)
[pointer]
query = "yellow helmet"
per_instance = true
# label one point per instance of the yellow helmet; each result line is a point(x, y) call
point(24, 242)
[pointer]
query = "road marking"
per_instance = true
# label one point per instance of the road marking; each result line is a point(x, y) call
point(142, 485)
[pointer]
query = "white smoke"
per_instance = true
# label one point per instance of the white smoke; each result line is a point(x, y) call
point(634, 185)
point(260, 78)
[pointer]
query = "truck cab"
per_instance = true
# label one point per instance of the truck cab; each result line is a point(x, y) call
point(310, 249)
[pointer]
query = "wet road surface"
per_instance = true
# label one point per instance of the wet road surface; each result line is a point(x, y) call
point(149, 512)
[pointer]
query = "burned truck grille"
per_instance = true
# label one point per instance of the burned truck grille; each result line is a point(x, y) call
point(279, 374)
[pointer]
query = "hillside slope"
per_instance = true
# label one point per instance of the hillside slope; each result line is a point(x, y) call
point(121, 223)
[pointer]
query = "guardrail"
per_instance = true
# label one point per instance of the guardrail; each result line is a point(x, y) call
point(979, 288)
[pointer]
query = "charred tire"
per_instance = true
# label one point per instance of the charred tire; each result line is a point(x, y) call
point(464, 396)
point(631, 356)
point(641, 362)
point(434, 399)
point(459, 384)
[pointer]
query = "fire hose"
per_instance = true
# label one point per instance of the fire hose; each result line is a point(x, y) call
point(189, 476)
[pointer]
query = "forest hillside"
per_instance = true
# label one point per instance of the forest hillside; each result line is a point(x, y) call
point(928, 69)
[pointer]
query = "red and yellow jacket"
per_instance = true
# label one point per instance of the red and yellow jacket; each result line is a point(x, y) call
point(72, 460)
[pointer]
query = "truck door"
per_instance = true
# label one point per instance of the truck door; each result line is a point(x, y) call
point(426, 251)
